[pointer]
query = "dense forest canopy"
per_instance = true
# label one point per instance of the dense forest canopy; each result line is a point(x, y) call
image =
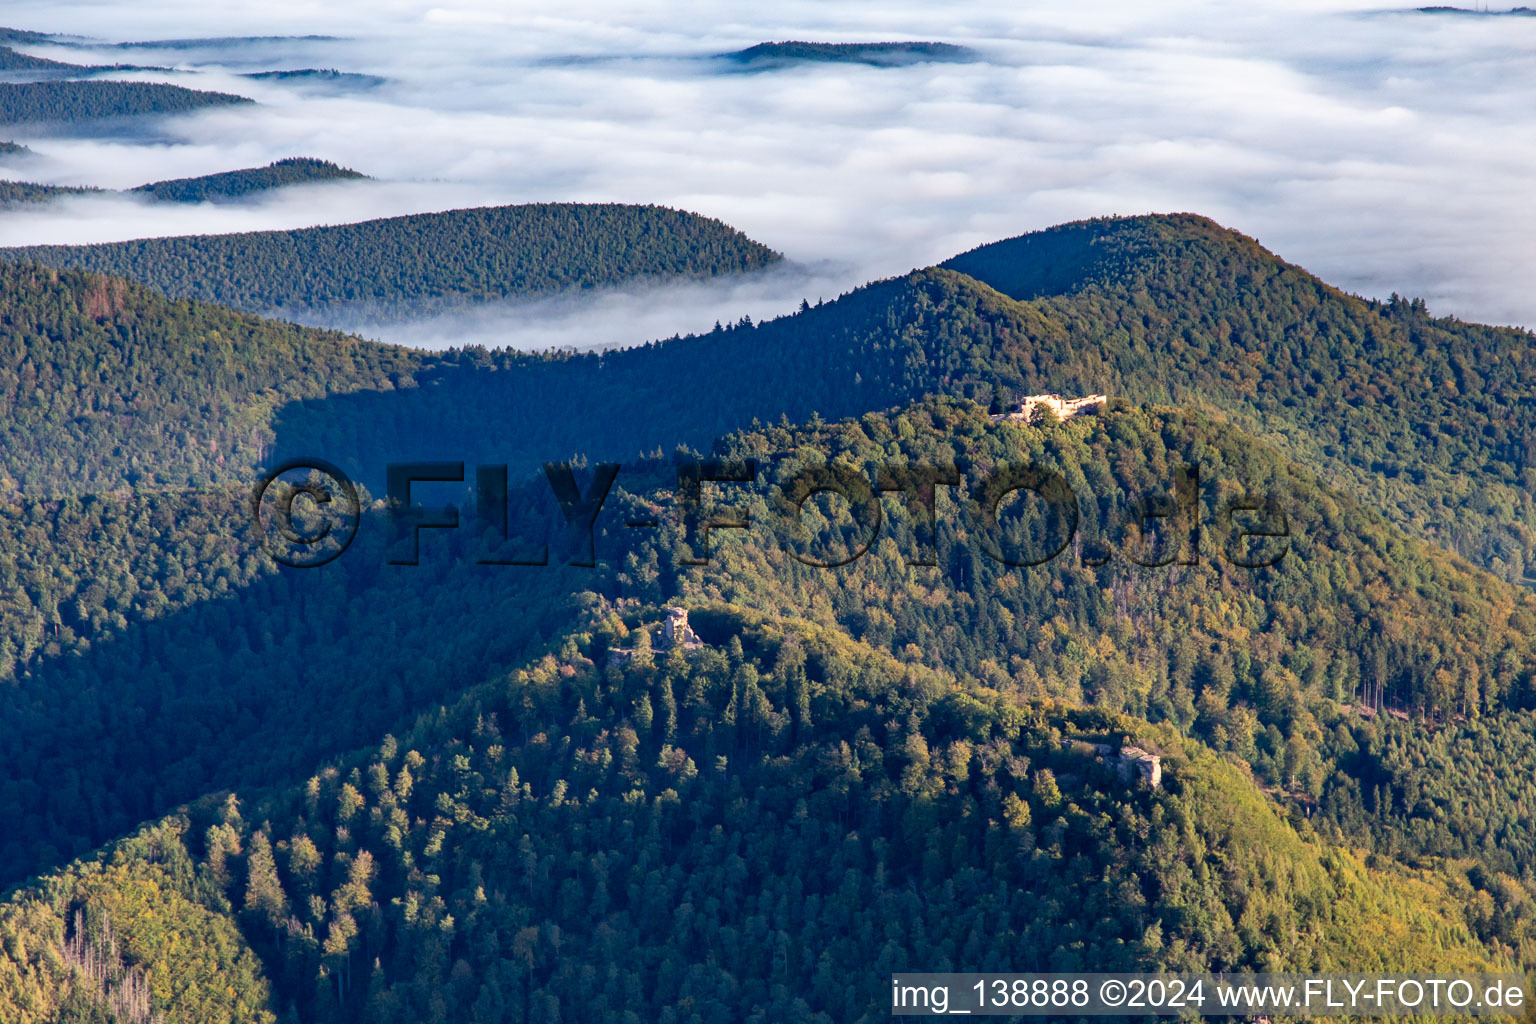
point(1290, 654)
point(107, 384)
point(423, 261)
point(225, 186)
point(318, 76)
point(26, 193)
point(466, 790)
point(875, 54)
point(14, 60)
point(235, 184)
point(23, 36)
point(72, 101)
point(766, 828)
point(879, 755)
point(1419, 415)
point(1162, 309)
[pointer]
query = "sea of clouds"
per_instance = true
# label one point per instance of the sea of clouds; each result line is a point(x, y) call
point(1383, 149)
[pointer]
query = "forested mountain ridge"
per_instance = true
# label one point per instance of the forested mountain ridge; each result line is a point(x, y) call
point(23, 36)
point(100, 368)
point(885, 738)
point(166, 604)
point(492, 862)
point(14, 60)
point(70, 102)
point(1424, 415)
point(227, 185)
point(1298, 669)
point(874, 348)
point(319, 76)
point(26, 193)
point(422, 262)
point(25, 65)
point(1152, 309)
point(106, 384)
point(767, 56)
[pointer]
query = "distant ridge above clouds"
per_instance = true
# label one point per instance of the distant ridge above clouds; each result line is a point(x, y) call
point(222, 187)
point(1517, 11)
point(1387, 149)
point(401, 266)
point(227, 186)
point(891, 54)
point(75, 102)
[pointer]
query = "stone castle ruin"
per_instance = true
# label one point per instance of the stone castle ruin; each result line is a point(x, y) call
point(674, 634)
point(1064, 408)
point(1129, 762)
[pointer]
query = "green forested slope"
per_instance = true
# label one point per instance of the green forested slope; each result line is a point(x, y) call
point(23, 36)
point(424, 261)
point(235, 184)
point(877, 347)
point(323, 77)
point(222, 187)
point(1410, 413)
point(68, 102)
point(161, 609)
point(150, 650)
point(790, 52)
point(766, 828)
point(105, 384)
point(150, 653)
point(861, 771)
point(1424, 417)
point(25, 193)
point(1298, 669)
point(120, 938)
point(14, 60)
point(1355, 611)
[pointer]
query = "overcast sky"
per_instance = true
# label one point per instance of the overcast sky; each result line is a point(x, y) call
point(1384, 150)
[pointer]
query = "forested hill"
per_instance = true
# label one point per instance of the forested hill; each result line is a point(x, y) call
point(765, 56)
point(14, 60)
point(1408, 411)
point(106, 384)
point(850, 747)
point(228, 185)
point(23, 36)
point(70, 102)
point(26, 193)
point(1427, 416)
point(130, 601)
point(424, 261)
point(765, 830)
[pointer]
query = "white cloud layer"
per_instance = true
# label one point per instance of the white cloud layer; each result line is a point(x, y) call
point(1385, 151)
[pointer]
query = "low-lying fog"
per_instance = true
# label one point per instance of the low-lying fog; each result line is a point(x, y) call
point(1383, 150)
